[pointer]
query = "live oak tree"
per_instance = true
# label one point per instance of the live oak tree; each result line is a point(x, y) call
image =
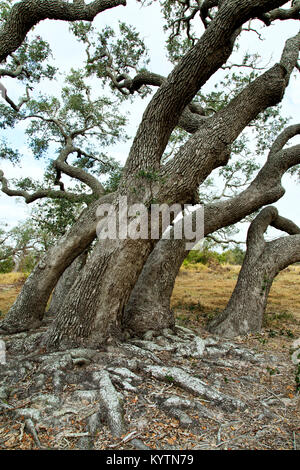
point(263, 261)
point(23, 245)
point(59, 127)
point(97, 305)
point(152, 292)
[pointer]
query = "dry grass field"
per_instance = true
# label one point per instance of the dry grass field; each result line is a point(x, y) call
point(10, 286)
point(267, 384)
point(201, 291)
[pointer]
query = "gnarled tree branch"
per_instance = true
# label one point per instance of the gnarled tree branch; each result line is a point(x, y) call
point(27, 13)
point(39, 194)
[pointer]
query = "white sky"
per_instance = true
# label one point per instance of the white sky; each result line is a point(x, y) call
point(68, 53)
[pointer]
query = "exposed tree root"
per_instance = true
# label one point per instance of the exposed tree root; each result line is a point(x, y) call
point(91, 399)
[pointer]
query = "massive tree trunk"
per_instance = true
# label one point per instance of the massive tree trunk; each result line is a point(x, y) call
point(65, 283)
point(92, 312)
point(96, 303)
point(29, 308)
point(149, 304)
point(263, 261)
point(148, 307)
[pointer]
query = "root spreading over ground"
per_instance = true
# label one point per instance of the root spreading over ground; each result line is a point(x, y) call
point(167, 392)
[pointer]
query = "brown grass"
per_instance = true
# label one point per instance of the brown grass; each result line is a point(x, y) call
point(10, 286)
point(201, 292)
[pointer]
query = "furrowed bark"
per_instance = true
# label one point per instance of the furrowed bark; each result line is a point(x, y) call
point(29, 308)
point(196, 67)
point(149, 305)
point(209, 147)
point(96, 302)
point(65, 283)
point(263, 261)
point(92, 312)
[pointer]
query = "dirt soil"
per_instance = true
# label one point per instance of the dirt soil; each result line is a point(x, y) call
point(181, 390)
point(176, 391)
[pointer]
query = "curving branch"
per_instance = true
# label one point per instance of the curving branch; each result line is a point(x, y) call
point(282, 139)
point(205, 10)
point(292, 13)
point(150, 294)
point(222, 242)
point(61, 165)
point(39, 194)
point(192, 116)
point(209, 147)
point(190, 74)
point(15, 107)
point(27, 13)
point(263, 261)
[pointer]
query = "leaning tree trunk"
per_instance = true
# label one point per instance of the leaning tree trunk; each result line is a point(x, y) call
point(245, 310)
point(149, 304)
point(95, 304)
point(92, 312)
point(148, 307)
point(29, 308)
point(65, 283)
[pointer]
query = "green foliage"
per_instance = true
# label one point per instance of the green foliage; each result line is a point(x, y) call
point(233, 256)
point(6, 259)
point(245, 159)
point(7, 263)
point(8, 116)
point(272, 370)
point(5, 7)
point(265, 284)
point(22, 246)
point(95, 122)
point(30, 62)
point(34, 56)
point(54, 217)
point(8, 153)
point(110, 52)
point(114, 177)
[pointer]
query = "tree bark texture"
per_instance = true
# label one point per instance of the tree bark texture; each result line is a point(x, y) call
point(245, 310)
point(29, 307)
point(95, 304)
point(149, 303)
point(25, 14)
point(65, 283)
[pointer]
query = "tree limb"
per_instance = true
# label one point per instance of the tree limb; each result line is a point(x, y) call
point(209, 147)
point(192, 72)
point(27, 13)
point(285, 225)
point(15, 107)
point(40, 193)
point(287, 134)
point(61, 164)
point(282, 14)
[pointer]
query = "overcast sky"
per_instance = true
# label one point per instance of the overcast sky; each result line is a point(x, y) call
point(68, 53)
